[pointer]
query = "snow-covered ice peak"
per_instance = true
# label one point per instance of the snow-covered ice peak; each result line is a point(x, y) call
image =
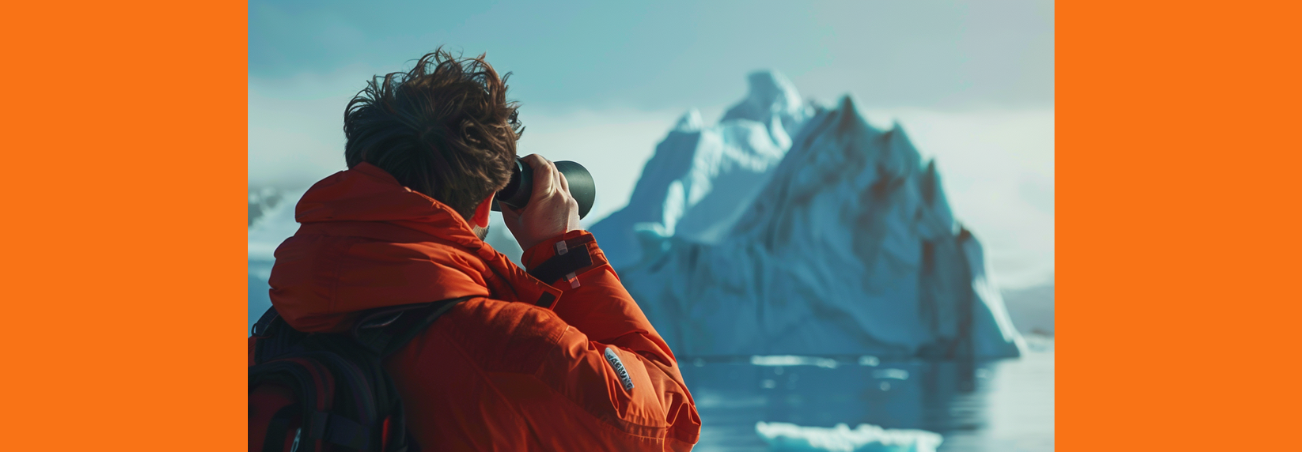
point(840, 168)
point(690, 122)
point(770, 95)
point(702, 177)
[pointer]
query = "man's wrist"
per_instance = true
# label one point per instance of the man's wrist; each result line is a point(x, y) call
point(546, 249)
point(560, 261)
point(538, 243)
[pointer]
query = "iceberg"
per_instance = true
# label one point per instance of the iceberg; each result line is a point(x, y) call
point(844, 244)
point(782, 436)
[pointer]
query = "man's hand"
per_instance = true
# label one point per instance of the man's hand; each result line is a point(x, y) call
point(551, 211)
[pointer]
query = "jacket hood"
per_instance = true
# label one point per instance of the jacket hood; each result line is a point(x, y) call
point(366, 241)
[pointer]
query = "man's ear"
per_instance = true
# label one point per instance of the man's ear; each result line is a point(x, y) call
point(481, 212)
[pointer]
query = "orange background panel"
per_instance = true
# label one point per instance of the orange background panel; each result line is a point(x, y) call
point(124, 227)
point(124, 131)
point(1177, 240)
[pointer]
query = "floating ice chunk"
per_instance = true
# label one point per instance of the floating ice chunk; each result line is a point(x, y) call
point(897, 374)
point(781, 436)
point(789, 360)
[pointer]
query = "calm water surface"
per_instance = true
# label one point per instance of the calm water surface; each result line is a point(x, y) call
point(1004, 405)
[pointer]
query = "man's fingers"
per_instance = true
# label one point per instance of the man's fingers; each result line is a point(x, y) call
point(544, 176)
point(551, 210)
point(556, 175)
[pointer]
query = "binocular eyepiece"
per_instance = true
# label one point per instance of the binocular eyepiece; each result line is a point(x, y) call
point(517, 192)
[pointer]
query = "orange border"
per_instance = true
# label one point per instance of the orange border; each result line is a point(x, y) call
point(125, 149)
point(1177, 172)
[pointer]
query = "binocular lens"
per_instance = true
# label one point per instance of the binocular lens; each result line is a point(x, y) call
point(517, 192)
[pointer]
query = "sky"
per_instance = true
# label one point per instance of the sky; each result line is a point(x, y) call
point(602, 82)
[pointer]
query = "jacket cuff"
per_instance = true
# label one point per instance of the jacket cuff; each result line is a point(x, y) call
point(563, 258)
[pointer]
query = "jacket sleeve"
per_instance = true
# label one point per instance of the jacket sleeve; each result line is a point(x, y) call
point(595, 302)
point(605, 316)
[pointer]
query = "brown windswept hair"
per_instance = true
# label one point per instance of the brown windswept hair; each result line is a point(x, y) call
point(444, 129)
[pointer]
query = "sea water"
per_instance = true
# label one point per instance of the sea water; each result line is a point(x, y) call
point(996, 406)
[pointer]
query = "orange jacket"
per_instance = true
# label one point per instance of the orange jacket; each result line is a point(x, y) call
point(521, 365)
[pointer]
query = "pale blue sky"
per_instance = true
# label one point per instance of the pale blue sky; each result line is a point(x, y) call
point(602, 82)
point(678, 54)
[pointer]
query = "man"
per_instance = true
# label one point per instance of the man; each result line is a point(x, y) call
point(523, 364)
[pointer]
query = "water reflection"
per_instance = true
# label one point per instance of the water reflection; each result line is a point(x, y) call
point(1004, 405)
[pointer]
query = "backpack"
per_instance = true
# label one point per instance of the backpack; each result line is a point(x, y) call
point(325, 392)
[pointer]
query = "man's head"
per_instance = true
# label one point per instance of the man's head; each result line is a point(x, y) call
point(444, 129)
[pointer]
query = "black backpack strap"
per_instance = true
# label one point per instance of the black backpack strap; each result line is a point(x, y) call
point(275, 338)
point(346, 368)
point(386, 330)
point(263, 326)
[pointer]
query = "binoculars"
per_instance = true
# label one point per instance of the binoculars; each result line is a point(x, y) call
point(517, 191)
